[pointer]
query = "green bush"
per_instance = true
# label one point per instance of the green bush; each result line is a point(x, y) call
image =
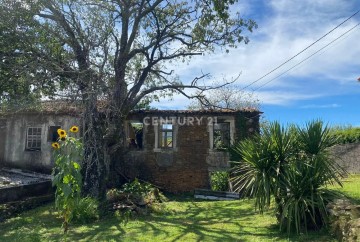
point(113, 195)
point(86, 210)
point(219, 181)
point(344, 135)
point(136, 190)
point(294, 166)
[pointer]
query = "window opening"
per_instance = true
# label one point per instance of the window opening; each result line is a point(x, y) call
point(33, 138)
point(136, 135)
point(221, 135)
point(53, 134)
point(166, 136)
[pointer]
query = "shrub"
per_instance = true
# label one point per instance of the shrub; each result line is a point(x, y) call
point(344, 135)
point(148, 192)
point(86, 210)
point(219, 181)
point(136, 190)
point(113, 195)
point(293, 165)
point(134, 198)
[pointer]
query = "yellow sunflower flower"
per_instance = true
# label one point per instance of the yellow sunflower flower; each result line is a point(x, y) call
point(74, 129)
point(55, 145)
point(61, 133)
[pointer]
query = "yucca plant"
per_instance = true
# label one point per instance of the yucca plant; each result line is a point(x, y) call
point(306, 178)
point(304, 203)
point(294, 166)
point(263, 158)
point(252, 176)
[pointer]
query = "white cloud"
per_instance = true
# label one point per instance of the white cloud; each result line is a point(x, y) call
point(282, 97)
point(285, 28)
point(316, 106)
point(177, 102)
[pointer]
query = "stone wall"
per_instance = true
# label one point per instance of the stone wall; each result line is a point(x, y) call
point(177, 169)
point(344, 220)
point(187, 165)
point(348, 156)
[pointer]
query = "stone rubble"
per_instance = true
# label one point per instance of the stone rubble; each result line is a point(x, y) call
point(344, 220)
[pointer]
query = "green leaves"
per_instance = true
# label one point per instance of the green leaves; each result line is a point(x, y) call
point(315, 138)
point(76, 165)
point(293, 165)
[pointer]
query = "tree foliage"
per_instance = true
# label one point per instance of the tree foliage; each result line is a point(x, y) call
point(28, 56)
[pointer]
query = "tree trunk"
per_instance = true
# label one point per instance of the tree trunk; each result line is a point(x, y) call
point(115, 139)
point(116, 147)
point(93, 167)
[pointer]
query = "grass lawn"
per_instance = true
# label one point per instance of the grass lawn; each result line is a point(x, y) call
point(351, 187)
point(181, 219)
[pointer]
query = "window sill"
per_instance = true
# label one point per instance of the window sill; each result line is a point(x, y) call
point(164, 149)
point(32, 150)
point(218, 150)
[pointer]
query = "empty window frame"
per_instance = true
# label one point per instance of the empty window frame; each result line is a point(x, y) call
point(166, 136)
point(53, 134)
point(135, 135)
point(221, 135)
point(33, 138)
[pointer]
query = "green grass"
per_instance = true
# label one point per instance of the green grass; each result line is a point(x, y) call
point(184, 220)
point(351, 187)
point(181, 219)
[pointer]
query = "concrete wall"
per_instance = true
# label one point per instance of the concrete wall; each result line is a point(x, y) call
point(11, 194)
point(348, 156)
point(13, 130)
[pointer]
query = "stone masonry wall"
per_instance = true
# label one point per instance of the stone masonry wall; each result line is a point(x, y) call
point(176, 170)
point(186, 166)
point(348, 156)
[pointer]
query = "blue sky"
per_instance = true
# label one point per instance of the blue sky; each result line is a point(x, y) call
point(325, 86)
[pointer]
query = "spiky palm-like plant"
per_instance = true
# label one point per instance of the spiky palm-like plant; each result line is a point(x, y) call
point(263, 158)
point(293, 165)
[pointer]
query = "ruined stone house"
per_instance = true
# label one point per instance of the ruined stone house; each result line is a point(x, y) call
point(175, 150)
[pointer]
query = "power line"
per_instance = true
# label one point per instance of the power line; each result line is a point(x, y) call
point(316, 52)
point(287, 61)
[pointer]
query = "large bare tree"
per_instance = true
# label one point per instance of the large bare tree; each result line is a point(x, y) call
point(225, 97)
point(122, 51)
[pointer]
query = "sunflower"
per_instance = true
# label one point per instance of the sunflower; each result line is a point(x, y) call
point(74, 129)
point(61, 133)
point(55, 145)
